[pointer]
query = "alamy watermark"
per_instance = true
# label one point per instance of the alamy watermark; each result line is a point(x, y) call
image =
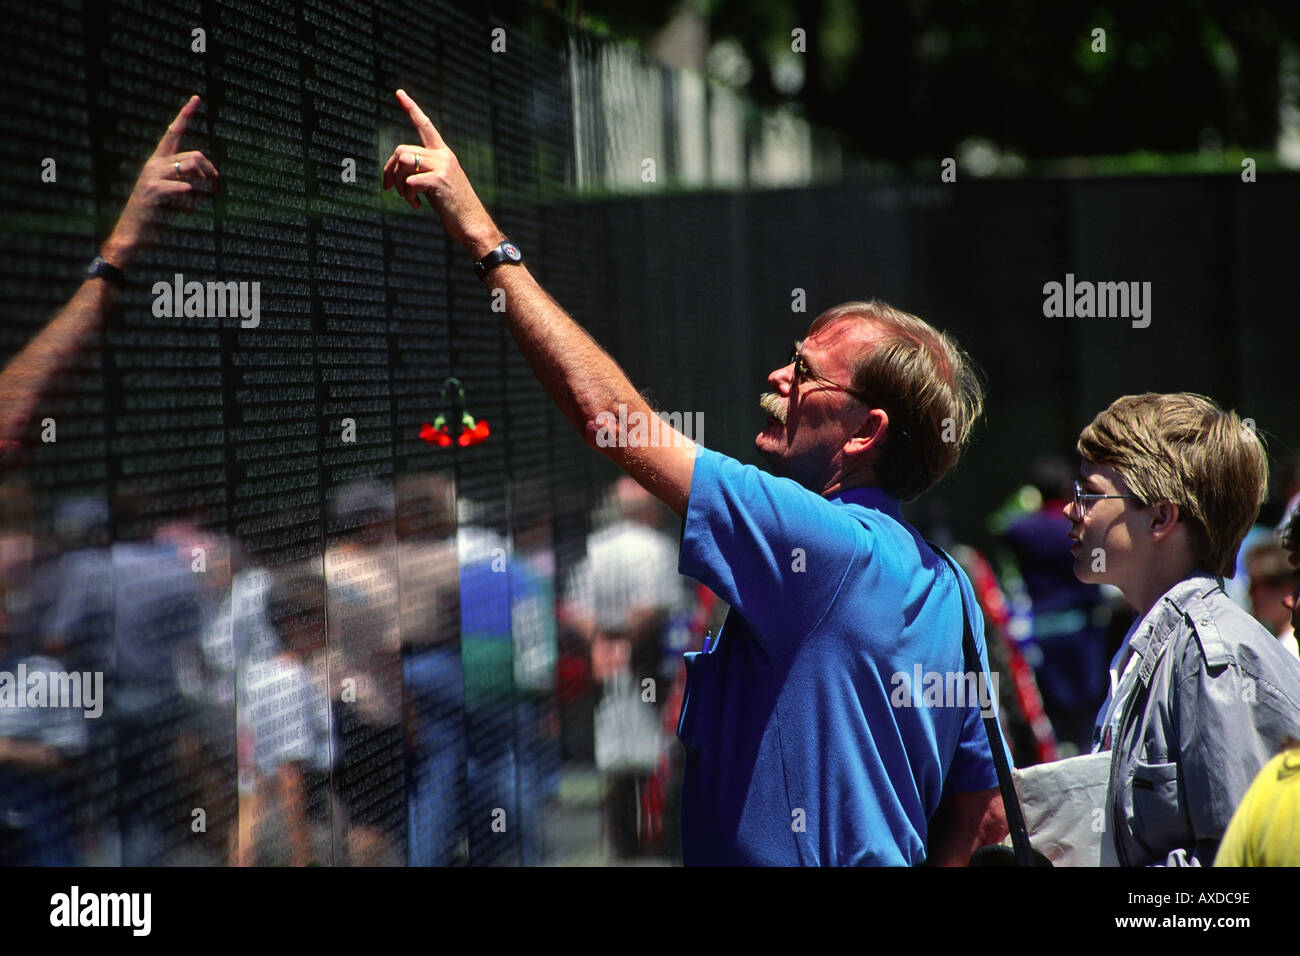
point(74, 908)
point(946, 689)
point(82, 690)
point(639, 430)
point(208, 299)
point(1087, 300)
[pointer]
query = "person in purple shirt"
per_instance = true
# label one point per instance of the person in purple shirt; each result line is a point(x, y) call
point(1067, 643)
point(810, 740)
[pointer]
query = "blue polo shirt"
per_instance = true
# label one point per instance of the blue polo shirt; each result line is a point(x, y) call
point(807, 739)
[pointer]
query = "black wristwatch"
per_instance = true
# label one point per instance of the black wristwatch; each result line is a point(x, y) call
point(101, 268)
point(506, 252)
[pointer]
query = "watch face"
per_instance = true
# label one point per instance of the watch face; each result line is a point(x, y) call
point(512, 251)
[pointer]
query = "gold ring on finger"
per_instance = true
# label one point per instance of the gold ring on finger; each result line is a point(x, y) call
point(177, 164)
point(417, 162)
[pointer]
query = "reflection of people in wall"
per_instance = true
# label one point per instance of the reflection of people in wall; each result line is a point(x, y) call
point(287, 716)
point(362, 589)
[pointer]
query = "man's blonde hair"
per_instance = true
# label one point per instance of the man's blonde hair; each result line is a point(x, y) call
point(930, 388)
point(1185, 449)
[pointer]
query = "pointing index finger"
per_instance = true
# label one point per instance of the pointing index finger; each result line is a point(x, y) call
point(423, 125)
point(171, 140)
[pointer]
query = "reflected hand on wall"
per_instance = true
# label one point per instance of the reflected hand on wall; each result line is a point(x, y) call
point(171, 182)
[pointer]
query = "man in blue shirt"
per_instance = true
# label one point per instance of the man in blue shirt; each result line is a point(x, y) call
point(826, 726)
point(807, 738)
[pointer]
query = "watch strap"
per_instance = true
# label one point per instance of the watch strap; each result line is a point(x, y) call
point(101, 268)
point(505, 253)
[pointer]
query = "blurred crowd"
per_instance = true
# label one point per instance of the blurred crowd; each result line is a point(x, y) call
point(401, 677)
point(380, 702)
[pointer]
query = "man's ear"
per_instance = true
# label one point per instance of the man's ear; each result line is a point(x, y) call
point(1164, 519)
point(870, 434)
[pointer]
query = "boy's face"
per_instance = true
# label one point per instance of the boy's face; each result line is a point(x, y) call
point(1107, 533)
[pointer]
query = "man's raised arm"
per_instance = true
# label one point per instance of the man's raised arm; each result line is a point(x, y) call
point(576, 372)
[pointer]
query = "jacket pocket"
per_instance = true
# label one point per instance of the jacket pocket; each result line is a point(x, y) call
point(1159, 817)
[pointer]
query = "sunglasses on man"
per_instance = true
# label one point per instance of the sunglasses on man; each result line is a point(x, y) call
point(802, 373)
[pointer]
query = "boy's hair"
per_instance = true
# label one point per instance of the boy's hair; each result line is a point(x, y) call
point(1184, 449)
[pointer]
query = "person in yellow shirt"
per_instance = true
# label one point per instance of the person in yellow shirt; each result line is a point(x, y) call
point(1265, 830)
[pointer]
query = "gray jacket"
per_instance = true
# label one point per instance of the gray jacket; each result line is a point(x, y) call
point(1209, 700)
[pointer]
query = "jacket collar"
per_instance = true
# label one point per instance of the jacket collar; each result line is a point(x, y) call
point(1152, 635)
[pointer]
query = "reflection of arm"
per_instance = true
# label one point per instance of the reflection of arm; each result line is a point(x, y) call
point(293, 800)
point(168, 183)
point(54, 737)
point(250, 811)
point(26, 380)
point(28, 754)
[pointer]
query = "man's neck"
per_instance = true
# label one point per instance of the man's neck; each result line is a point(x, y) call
point(841, 481)
point(833, 488)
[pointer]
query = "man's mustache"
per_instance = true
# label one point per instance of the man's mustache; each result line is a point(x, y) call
point(771, 403)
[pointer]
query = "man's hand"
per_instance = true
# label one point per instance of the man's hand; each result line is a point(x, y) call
point(431, 168)
point(170, 182)
point(576, 372)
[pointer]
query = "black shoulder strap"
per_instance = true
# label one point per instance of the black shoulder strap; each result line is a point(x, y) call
point(1010, 801)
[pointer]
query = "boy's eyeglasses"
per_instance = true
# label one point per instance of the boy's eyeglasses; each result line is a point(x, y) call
point(1080, 498)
